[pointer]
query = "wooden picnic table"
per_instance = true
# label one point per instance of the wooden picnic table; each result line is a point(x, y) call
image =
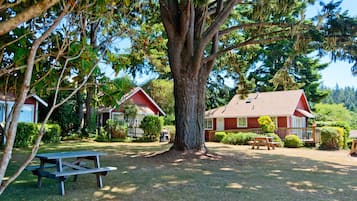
point(60, 165)
point(263, 141)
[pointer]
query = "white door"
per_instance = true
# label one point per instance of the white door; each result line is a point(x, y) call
point(220, 124)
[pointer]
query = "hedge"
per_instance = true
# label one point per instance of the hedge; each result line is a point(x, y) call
point(342, 124)
point(218, 136)
point(238, 138)
point(27, 133)
point(332, 138)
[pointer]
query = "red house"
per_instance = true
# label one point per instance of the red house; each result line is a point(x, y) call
point(145, 104)
point(29, 111)
point(288, 109)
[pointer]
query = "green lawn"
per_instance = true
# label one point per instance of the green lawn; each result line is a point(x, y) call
point(231, 173)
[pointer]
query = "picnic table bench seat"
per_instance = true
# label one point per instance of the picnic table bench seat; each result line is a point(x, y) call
point(36, 167)
point(101, 170)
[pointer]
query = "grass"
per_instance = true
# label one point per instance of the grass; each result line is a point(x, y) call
point(230, 173)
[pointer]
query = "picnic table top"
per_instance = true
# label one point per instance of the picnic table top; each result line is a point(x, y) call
point(69, 154)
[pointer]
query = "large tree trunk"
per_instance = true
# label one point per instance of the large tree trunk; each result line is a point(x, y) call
point(187, 41)
point(189, 112)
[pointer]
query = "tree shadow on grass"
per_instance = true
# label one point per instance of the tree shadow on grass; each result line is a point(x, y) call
point(226, 174)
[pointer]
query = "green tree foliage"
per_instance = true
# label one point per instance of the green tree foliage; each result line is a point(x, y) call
point(152, 125)
point(162, 91)
point(130, 112)
point(217, 91)
point(347, 96)
point(284, 68)
point(267, 124)
point(113, 90)
point(67, 115)
point(332, 112)
point(339, 33)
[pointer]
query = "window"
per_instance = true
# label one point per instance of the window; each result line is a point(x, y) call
point(208, 124)
point(242, 122)
point(119, 117)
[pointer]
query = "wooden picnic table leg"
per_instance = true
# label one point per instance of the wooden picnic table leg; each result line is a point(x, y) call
point(39, 177)
point(61, 179)
point(98, 175)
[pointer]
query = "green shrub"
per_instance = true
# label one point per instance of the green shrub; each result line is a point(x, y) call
point(169, 119)
point(218, 136)
point(71, 136)
point(342, 124)
point(25, 134)
point(267, 125)
point(152, 125)
point(292, 141)
point(238, 138)
point(52, 133)
point(117, 129)
point(276, 138)
point(103, 136)
point(332, 138)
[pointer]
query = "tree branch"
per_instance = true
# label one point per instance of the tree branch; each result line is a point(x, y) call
point(251, 41)
point(17, 107)
point(29, 13)
point(219, 20)
point(257, 24)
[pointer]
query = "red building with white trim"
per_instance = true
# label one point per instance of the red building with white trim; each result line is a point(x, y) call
point(288, 109)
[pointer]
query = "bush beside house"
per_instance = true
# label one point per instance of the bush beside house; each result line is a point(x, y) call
point(218, 136)
point(238, 138)
point(292, 141)
point(341, 124)
point(27, 133)
point(267, 124)
point(151, 125)
point(332, 138)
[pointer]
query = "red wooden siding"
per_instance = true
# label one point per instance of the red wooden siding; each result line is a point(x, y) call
point(253, 122)
point(139, 98)
point(282, 122)
point(230, 123)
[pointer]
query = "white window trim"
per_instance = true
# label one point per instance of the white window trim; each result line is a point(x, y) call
point(242, 126)
point(208, 128)
point(115, 113)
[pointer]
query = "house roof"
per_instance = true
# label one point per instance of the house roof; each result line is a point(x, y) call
point(133, 92)
point(11, 97)
point(278, 103)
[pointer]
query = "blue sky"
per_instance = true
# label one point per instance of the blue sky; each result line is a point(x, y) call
point(339, 72)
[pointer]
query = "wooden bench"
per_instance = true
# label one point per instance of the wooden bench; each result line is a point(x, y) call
point(102, 171)
point(37, 167)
